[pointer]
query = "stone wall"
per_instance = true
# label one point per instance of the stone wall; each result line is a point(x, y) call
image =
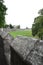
point(17, 59)
point(8, 29)
point(22, 50)
point(3, 60)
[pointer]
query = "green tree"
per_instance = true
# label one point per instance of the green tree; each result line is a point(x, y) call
point(11, 26)
point(37, 27)
point(6, 26)
point(40, 12)
point(2, 13)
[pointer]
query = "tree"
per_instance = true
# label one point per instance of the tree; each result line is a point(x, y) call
point(2, 13)
point(27, 28)
point(37, 27)
point(40, 12)
point(11, 26)
point(6, 26)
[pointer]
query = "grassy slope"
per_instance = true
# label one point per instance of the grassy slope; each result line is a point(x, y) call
point(23, 33)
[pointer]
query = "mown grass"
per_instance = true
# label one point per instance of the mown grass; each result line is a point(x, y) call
point(21, 32)
point(27, 33)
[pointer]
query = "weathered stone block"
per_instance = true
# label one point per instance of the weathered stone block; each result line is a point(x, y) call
point(9, 39)
point(3, 60)
point(23, 45)
point(36, 54)
point(22, 50)
point(4, 34)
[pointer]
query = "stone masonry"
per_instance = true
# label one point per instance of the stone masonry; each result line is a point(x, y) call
point(22, 50)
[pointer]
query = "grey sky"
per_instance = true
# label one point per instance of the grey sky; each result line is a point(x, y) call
point(22, 12)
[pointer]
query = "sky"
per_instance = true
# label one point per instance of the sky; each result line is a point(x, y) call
point(22, 12)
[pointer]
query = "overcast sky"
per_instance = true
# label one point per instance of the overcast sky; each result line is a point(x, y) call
point(22, 12)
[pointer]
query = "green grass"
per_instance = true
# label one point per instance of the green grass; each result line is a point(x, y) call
point(21, 32)
point(27, 33)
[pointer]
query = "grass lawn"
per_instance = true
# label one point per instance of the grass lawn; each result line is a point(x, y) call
point(23, 33)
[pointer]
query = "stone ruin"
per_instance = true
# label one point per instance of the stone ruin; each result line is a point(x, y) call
point(21, 50)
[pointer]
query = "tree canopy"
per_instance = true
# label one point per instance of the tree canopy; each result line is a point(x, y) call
point(40, 12)
point(2, 13)
point(37, 27)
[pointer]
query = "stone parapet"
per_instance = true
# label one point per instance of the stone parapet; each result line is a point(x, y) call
point(22, 50)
